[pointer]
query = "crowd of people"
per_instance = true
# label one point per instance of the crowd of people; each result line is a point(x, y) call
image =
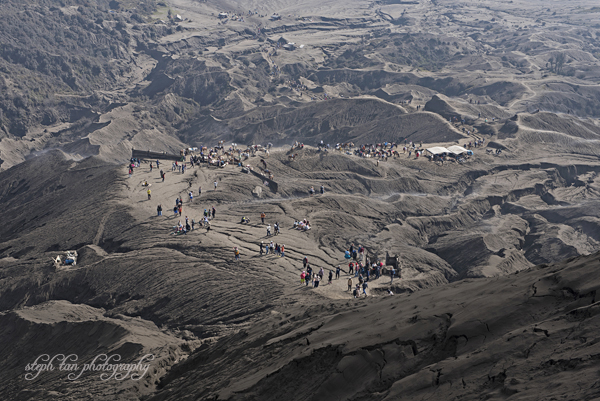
point(359, 273)
point(271, 248)
point(302, 225)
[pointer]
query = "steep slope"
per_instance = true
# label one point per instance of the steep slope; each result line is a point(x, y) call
point(496, 338)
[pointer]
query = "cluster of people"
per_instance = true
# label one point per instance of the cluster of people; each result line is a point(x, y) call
point(181, 229)
point(272, 248)
point(475, 144)
point(208, 214)
point(178, 166)
point(189, 225)
point(133, 163)
point(307, 277)
point(325, 96)
point(380, 150)
point(364, 272)
point(311, 190)
point(303, 225)
point(356, 292)
point(297, 86)
point(354, 253)
point(275, 229)
point(215, 156)
point(178, 208)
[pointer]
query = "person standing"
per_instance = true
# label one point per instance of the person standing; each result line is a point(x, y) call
point(337, 272)
point(159, 210)
point(236, 251)
point(282, 250)
point(149, 194)
point(215, 185)
point(269, 230)
point(317, 279)
point(262, 217)
point(364, 287)
point(349, 283)
point(214, 212)
point(191, 194)
point(305, 261)
point(262, 250)
point(330, 276)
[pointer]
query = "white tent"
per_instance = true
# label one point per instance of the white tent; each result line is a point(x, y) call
point(438, 150)
point(457, 150)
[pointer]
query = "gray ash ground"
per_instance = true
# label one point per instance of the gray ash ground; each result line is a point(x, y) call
point(498, 254)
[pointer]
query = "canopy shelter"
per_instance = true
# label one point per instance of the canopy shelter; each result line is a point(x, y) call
point(438, 150)
point(457, 150)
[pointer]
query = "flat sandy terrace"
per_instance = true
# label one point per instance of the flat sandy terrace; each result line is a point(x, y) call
point(227, 232)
